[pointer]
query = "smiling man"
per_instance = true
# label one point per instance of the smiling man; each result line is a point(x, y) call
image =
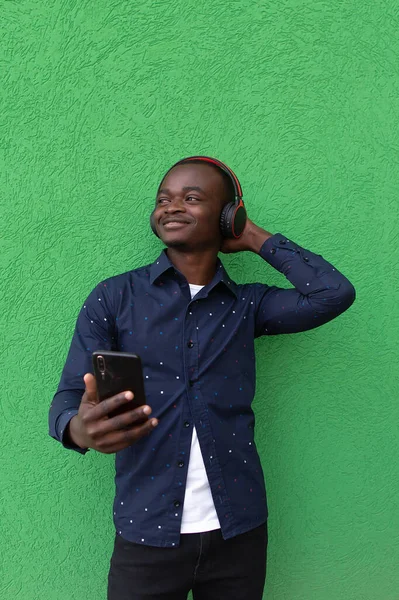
point(190, 507)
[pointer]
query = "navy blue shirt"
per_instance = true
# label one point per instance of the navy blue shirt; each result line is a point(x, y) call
point(199, 369)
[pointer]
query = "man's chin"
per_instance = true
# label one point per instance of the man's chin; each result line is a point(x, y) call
point(172, 239)
point(176, 243)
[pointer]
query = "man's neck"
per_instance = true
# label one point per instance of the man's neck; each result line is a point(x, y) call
point(197, 267)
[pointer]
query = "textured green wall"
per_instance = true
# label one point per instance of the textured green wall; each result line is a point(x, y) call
point(301, 100)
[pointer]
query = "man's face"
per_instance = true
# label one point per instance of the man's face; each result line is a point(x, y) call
point(191, 198)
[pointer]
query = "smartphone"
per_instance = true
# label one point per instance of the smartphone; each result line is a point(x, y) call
point(117, 372)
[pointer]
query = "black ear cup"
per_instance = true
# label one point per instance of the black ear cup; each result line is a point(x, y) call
point(239, 220)
point(232, 220)
point(226, 220)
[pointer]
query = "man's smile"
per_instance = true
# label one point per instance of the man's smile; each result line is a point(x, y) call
point(174, 223)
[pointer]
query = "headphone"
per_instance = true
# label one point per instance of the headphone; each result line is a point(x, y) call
point(234, 215)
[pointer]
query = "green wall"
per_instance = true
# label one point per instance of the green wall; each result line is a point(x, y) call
point(301, 100)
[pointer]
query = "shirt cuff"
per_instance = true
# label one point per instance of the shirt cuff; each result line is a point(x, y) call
point(62, 424)
point(270, 250)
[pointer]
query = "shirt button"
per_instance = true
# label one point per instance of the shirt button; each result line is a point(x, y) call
point(305, 258)
point(190, 344)
point(180, 464)
point(176, 503)
point(273, 251)
point(186, 424)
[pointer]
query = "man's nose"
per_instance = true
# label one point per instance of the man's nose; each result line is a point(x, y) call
point(177, 204)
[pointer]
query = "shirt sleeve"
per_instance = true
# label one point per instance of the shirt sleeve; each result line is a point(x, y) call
point(320, 291)
point(94, 330)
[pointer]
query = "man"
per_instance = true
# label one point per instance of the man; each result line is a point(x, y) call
point(190, 507)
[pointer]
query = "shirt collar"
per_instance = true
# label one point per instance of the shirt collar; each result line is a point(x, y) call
point(162, 264)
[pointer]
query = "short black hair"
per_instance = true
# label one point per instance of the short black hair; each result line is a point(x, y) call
point(228, 183)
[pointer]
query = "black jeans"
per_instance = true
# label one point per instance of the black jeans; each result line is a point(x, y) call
point(213, 568)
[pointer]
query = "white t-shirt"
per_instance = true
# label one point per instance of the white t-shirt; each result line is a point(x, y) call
point(199, 513)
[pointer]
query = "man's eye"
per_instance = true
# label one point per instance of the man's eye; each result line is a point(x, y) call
point(167, 199)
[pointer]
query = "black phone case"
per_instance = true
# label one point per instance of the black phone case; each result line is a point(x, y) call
point(121, 372)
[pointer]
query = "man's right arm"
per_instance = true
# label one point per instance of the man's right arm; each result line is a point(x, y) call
point(76, 417)
point(93, 331)
point(60, 419)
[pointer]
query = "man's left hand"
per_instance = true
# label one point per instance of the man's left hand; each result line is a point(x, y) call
point(252, 239)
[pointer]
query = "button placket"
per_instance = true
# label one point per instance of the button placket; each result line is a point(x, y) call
point(191, 335)
point(190, 366)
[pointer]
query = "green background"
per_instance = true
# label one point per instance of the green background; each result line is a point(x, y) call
point(300, 98)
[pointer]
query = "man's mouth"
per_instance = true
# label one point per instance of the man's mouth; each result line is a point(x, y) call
point(174, 224)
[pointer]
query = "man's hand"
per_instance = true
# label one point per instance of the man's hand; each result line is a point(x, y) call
point(252, 239)
point(93, 428)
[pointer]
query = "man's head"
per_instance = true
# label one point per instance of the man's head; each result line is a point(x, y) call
point(191, 197)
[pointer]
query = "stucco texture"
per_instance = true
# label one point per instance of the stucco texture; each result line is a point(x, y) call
point(300, 98)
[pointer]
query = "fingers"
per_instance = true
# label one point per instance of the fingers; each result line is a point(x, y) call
point(91, 388)
point(120, 422)
point(118, 440)
point(109, 433)
point(107, 406)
